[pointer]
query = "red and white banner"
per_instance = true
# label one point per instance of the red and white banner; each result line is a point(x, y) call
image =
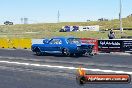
point(91, 41)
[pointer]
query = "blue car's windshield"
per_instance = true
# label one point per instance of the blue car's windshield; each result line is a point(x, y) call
point(74, 41)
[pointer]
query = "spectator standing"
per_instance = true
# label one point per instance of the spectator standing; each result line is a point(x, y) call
point(111, 34)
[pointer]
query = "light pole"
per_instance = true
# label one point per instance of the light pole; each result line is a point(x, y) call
point(120, 16)
point(58, 16)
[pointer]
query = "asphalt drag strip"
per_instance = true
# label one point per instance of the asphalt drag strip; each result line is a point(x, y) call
point(22, 69)
point(32, 75)
point(63, 67)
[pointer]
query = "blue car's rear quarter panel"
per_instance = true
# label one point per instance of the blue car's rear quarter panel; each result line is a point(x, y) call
point(72, 48)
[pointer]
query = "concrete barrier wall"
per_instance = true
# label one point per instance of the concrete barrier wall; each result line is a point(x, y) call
point(4, 43)
point(16, 43)
point(25, 43)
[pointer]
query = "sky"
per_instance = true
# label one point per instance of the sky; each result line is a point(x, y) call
point(45, 11)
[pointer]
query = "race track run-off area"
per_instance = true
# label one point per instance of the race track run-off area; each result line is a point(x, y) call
point(23, 69)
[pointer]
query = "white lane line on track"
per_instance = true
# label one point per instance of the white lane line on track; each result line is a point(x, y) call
point(63, 67)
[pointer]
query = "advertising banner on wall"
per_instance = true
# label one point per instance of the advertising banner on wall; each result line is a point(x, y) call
point(110, 45)
point(89, 28)
point(116, 45)
point(127, 45)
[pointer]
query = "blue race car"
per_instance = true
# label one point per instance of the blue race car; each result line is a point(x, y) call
point(63, 45)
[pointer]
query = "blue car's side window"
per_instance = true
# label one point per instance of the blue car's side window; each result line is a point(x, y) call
point(74, 41)
point(55, 41)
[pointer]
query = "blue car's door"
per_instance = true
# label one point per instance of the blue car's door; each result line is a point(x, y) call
point(44, 47)
point(54, 46)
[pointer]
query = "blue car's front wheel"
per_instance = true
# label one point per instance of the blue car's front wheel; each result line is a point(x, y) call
point(38, 52)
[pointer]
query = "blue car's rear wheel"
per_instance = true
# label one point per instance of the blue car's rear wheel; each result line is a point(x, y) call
point(65, 52)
